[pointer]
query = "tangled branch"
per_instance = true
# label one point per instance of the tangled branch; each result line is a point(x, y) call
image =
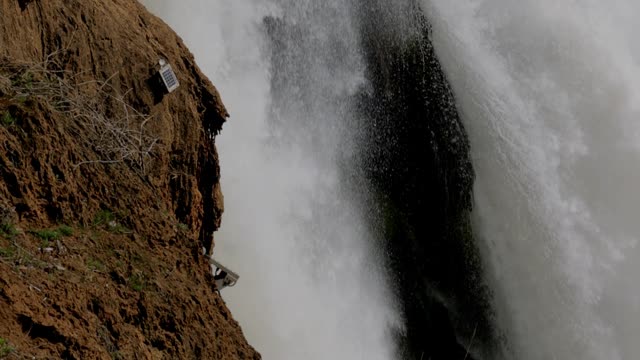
point(98, 112)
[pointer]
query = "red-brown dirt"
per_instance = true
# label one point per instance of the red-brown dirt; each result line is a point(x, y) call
point(100, 255)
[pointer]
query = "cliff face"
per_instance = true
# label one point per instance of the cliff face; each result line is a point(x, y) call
point(109, 188)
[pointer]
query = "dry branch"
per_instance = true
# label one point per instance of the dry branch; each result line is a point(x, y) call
point(98, 112)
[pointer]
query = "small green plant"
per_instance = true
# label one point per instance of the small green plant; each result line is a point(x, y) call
point(183, 227)
point(46, 235)
point(109, 219)
point(137, 282)
point(24, 80)
point(8, 119)
point(5, 348)
point(65, 230)
point(8, 230)
point(103, 217)
point(7, 252)
point(95, 265)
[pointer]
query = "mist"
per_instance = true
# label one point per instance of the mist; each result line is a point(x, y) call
point(549, 94)
point(312, 283)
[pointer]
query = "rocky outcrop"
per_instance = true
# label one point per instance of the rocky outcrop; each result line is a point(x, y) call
point(417, 157)
point(100, 251)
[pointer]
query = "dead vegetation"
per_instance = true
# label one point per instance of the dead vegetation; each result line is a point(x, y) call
point(97, 112)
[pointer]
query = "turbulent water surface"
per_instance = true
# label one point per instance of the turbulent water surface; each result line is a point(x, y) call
point(549, 93)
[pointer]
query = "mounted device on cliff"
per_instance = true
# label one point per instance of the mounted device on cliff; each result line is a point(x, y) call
point(169, 78)
point(222, 276)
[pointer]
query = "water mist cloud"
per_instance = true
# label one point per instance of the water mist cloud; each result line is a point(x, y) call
point(311, 286)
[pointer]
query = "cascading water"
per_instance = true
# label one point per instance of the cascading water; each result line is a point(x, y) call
point(550, 96)
point(312, 285)
point(547, 90)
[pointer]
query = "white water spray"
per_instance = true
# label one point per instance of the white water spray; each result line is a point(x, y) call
point(550, 94)
point(311, 286)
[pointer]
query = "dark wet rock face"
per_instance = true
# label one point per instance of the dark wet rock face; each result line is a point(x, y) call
point(413, 170)
point(417, 157)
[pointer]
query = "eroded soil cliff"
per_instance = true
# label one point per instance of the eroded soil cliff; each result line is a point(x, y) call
point(109, 189)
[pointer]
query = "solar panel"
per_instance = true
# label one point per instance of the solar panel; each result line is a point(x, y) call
point(169, 77)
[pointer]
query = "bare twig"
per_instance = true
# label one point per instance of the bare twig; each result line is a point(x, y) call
point(100, 115)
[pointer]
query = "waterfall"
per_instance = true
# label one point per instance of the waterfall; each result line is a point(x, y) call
point(550, 97)
point(312, 284)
